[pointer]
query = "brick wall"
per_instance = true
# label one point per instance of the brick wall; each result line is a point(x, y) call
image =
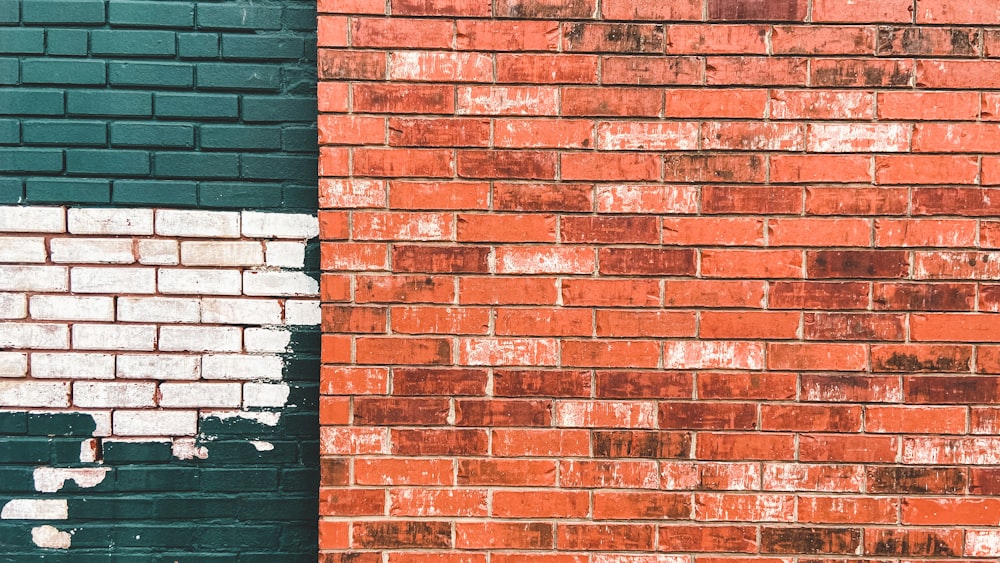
point(624, 281)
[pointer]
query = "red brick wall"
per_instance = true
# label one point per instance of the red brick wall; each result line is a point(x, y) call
point(624, 281)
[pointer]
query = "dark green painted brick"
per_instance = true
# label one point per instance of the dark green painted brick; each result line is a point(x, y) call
point(279, 109)
point(68, 190)
point(71, 42)
point(10, 11)
point(152, 192)
point(31, 160)
point(300, 139)
point(69, 424)
point(64, 132)
point(207, 106)
point(99, 162)
point(151, 14)
point(239, 15)
point(24, 450)
point(128, 43)
point(240, 196)
point(111, 508)
point(178, 535)
point(300, 197)
point(63, 71)
point(13, 535)
point(232, 76)
point(13, 423)
point(300, 18)
point(239, 479)
point(299, 480)
point(25, 101)
point(202, 506)
point(240, 137)
point(236, 536)
point(146, 134)
point(109, 102)
point(9, 71)
point(138, 478)
point(295, 509)
point(11, 190)
point(63, 11)
point(198, 45)
point(16, 480)
point(278, 167)
point(241, 452)
point(165, 75)
point(262, 47)
point(22, 41)
point(196, 165)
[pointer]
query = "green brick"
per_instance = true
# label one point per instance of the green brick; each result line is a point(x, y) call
point(150, 192)
point(300, 139)
point(107, 162)
point(291, 509)
point(11, 191)
point(9, 71)
point(63, 71)
point(64, 132)
point(111, 508)
point(236, 536)
point(14, 535)
point(63, 11)
point(138, 478)
point(109, 102)
point(279, 109)
point(10, 11)
point(151, 14)
point(241, 452)
point(178, 535)
point(167, 75)
point(232, 76)
point(240, 137)
point(262, 47)
point(31, 160)
point(127, 43)
point(145, 134)
point(61, 424)
point(240, 196)
point(198, 45)
point(196, 165)
point(71, 42)
point(24, 450)
point(278, 167)
point(239, 479)
point(300, 19)
point(17, 480)
point(25, 101)
point(68, 190)
point(22, 41)
point(300, 480)
point(299, 197)
point(203, 506)
point(239, 15)
point(13, 423)
point(205, 106)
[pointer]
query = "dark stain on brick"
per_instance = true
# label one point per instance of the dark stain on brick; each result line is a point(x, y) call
point(403, 534)
point(642, 444)
point(908, 543)
point(915, 480)
point(756, 10)
point(810, 540)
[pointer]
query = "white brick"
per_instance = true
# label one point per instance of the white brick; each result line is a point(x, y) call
point(174, 222)
point(232, 366)
point(200, 339)
point(73, 365)
point(299, 312)
point(113, 280)
point(241, 311)
point(13, 306)
point(158, 366)
point(159, 309)
point(35, 509)
point(114, 394)
point(13, 364)
point(155, 423)
point(114, 337)
point(72, 308)
point(92, 250)
point(285, 254)
point(200, 282)
point(222, 253)
point(158, 252)
point(33, 278)
point(280, 225)
point(32, 219)
point(103, 221)
point(266, 340)
point(22, 249)
point(34, 394)
point(264, 395)
point(53, 479)
point(34, 335)
point(279, 283)
point(200, 395)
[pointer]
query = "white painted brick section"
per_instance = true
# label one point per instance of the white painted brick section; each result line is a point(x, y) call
point(232, 366)
point(285, 254)
point(23, 393)
point(200, 339)
point(200, 282)
point(221, 253)
point(35, 509)
point(241, 311)
point(114, 337)
point(155, 423)
point(158, 252)
point(90, 394)
point(73, 365)
point(199, 224)
point(13, 306)
point(159, 309)
point(92, 250)
point(158, 366)
point(13, 364)
point(264, 395)
point(279, 283)
point(33, 278)
point(266, 340)
point(15, 250)
point(85, 221)
point(113, 280)
point(218, 395)
point(32, 220)
point(280, 225)
point(299, 312)
point(72, 308)
point(34, 336)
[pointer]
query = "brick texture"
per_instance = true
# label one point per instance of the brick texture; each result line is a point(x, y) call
point(628, 281)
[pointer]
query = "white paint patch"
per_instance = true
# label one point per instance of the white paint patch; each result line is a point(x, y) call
point(262, 446)
point(52, 479)
point(265, 418)
point(186, 448)
point(35, 509)
point(51, 538)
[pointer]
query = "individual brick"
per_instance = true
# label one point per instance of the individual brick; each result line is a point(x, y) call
point(34, 335)
point(151, 14)
point(91, 251)
point(109, 102)
point(35, 394)
point(70, 12)
point(199, 281)
point(114, 337)
point(113, 395)
point(158, 310)
point(199, 339)
point(155, 423)
point(158, 366)
point(195, 395)
point(113, 280)
point(242, 367)
point(71, 308)
point(241, 311)
point(33, 278)
point(133, 43)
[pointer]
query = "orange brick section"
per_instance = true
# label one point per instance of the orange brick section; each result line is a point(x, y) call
point(637, 281)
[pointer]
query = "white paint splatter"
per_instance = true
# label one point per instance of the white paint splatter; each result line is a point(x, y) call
point(50, 537)
point(35, 509)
